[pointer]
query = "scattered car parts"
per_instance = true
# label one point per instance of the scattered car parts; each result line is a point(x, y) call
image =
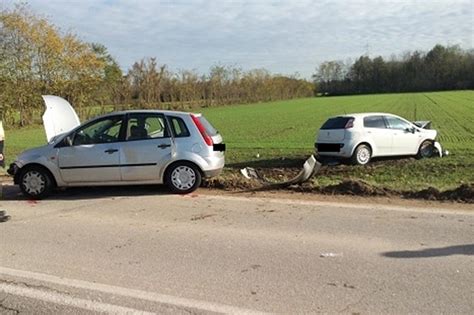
point(310, 167)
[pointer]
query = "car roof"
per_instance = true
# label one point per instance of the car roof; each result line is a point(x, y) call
point(362, 115)
point(140, 111)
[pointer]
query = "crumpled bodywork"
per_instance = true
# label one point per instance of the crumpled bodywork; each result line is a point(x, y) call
point(438, 150)
point(424, 124)
point(310, 167)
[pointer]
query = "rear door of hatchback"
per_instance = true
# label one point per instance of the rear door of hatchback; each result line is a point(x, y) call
point(146, 148)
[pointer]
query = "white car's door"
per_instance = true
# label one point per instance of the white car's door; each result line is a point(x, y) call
point(147, 147)
point(382, 137)
point(405, 137)
point(93, 154)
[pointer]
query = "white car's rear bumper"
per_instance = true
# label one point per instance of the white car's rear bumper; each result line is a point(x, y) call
point(343, 150)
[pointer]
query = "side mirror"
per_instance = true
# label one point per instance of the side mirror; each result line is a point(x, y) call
point(412, 130)
point(66, 142)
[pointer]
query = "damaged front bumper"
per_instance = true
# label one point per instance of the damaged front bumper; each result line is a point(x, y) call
point(14, 170)
point(439, 150)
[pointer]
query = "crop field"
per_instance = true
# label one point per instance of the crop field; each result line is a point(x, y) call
point(281, 134)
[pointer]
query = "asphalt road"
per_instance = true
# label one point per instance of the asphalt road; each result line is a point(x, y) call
point(138, 250)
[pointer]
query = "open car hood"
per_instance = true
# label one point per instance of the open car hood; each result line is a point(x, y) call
point(59, 116)
point(424, 124)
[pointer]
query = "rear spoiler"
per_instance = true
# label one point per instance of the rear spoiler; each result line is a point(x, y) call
point(424, 124)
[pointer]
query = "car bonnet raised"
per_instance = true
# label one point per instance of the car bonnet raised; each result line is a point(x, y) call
point(59, 116)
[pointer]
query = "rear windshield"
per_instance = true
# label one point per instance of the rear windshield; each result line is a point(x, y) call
point(336, 123)
point(210, 130)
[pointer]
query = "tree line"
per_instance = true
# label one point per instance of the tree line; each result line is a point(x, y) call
point(441, 68)
point(36, 58)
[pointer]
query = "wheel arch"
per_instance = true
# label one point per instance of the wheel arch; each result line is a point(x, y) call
point(16, 178)
point(361, 143)
point(170, 165)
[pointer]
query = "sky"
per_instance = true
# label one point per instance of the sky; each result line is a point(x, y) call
point(283, 36)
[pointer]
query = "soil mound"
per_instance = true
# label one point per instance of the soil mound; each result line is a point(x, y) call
point(355, 188)
point(463, 193)
point(230, 182)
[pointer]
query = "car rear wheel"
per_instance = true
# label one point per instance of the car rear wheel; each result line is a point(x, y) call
point(426, 150)
point(361, 155)
point(183, 178)
point(36, 182)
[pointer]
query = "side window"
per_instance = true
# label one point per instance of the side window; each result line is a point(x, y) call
point(179, 127)
point(374, 122)
point(103, 131)
point(396, 123)
point(146, 126)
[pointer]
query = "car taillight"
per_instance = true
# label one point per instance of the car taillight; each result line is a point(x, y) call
point(349, 123)
point(202, 130)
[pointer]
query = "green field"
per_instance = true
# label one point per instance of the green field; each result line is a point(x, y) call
point(287, 129)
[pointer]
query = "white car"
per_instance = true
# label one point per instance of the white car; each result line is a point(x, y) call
point(120, 148)
point(363, 136)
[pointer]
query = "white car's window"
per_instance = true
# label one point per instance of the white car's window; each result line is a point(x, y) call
point(103, 131)
point(374, 122)
point(146, 126)
point(396, 123)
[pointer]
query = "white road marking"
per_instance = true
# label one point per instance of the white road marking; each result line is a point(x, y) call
point(132, 293)
point(66, 300)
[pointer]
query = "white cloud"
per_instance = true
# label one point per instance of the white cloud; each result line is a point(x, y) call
point(284, 36)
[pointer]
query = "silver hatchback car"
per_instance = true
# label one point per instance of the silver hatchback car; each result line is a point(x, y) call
point(120, 148)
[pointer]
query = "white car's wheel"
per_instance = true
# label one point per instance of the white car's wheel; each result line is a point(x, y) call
point(36, 182)
point(362, 155)
point(183, 177)
point(426, 150)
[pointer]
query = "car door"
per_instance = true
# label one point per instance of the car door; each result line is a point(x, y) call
point(147, 147)
point(93, 152)
point(405, 137)
point(376, 130)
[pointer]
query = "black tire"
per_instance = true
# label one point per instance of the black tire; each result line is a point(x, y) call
point(425, 150)
point(36, 182)
point(183, 177)
point(362, 155)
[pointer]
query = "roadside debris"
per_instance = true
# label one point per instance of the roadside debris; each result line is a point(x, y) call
point(4, 217)
point(310, 167)
point(330, 255)
point(201, 217)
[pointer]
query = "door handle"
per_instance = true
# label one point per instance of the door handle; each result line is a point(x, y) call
point(110, 151)
point(163, 146)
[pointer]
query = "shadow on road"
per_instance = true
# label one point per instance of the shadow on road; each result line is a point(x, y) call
point(11, 192)
point(433, 252)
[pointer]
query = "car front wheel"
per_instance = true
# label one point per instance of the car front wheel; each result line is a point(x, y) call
point(36, 182)
point(183, 178)
point(426, 150)
point(361, 155)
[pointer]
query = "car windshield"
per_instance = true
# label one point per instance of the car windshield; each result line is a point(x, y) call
point(336, 123)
